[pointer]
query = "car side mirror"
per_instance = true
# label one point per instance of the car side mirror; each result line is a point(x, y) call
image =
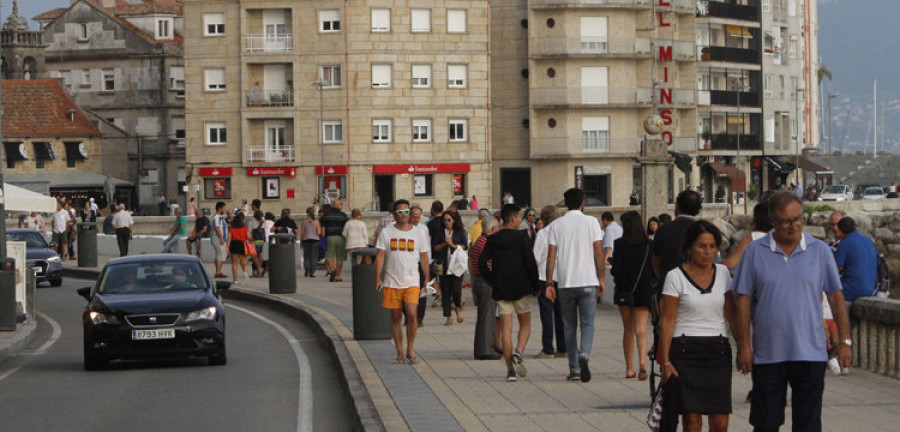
point(85, 292)
point(222, 285)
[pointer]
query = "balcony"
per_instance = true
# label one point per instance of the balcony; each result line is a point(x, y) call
point(717, 9)
point(732, 55)
point(270, 154)
point(734, 98)
point(724, 141)
point(270, 98)
point(269, 44)
point(612, 46)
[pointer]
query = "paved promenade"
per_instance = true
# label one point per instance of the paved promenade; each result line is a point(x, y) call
point(451, 391)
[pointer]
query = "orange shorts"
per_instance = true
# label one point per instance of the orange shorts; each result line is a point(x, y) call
point(395, 298)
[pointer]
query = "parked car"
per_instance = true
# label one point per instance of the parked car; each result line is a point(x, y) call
point(874, 193)
point(836, 193)
point(153, 306)
point(39, 255)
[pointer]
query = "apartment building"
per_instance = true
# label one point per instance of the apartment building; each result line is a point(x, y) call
point(122, 60)
point(369, 101)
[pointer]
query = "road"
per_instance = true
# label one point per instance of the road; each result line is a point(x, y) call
point(45, 387)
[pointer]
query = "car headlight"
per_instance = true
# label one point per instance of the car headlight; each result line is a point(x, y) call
point(102, 318)
point(202, 314)
point(54, 259)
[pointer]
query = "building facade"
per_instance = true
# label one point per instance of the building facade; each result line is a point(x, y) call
point(124, 62)
point(387, 99)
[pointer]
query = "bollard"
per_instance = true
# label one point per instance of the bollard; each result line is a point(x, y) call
point(87, 244)
point(370, 320)
point(7, 294)
point(282, 268)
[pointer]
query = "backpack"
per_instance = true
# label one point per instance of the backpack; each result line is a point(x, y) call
point(883, 278)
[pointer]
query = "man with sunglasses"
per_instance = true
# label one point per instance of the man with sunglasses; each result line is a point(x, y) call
point(404, 247)
point(781, 279)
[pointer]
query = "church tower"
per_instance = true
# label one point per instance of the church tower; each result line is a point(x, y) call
point(22, 49)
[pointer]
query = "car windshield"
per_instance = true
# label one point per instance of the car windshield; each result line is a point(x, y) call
point(152, 277)
point(32, 239)
point(874, 191)
point(836, 189)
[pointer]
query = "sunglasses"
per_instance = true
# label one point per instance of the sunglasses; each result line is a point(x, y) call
point(404, 211)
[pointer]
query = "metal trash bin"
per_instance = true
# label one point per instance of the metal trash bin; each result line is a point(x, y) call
point(282, 268)
point(87, 244)
point(7, 294)
point(370, 320)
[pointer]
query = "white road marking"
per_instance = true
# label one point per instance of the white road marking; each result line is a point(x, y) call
point(305, 408)
point(57, 332)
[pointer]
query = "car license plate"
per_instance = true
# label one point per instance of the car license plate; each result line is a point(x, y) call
point(153, 334)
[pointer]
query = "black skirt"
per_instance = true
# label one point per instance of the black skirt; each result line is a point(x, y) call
point(704, 369)
point(236, 247)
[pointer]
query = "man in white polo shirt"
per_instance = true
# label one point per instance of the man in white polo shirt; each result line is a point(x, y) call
point(576, 253)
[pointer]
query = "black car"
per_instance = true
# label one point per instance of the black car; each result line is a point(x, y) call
point(153, 306)
point(39, 255)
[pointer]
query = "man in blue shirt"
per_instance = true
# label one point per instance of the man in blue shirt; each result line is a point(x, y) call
point(857, 261)
point(780, 281)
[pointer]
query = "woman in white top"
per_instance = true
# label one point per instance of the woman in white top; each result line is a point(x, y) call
point(693, 336)
point(355, 232)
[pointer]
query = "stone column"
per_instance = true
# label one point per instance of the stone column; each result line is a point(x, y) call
point(654, 162)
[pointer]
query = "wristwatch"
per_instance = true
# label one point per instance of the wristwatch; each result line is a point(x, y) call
point(848, 342)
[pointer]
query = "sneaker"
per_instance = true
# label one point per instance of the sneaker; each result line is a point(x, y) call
point(519, 364)
point(573, 376)
point(561, 354)
point(585, 371)
point(834, 366)
point(332, 275)
point(543, 355)
point(511, 376)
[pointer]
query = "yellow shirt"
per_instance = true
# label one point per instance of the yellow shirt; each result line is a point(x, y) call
point(475, 231)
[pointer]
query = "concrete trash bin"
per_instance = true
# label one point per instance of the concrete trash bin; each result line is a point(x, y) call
point(87, 244)
point(370, 320)
point(7, 294)
point(282, 267)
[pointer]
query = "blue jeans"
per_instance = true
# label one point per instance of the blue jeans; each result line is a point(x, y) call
point(578, 305)
point(170, 242)
point(551, 321)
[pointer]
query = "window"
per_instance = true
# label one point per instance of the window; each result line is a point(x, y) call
point(176, 80)
point(381, 20)
point(275, 132)
point(421, 76)
point(66, 78)
point(214, 24)
point(164, 28)
point(421, 130)
point(381, 131)
point(423, 184)
point(330, 20)
point(782, 87)
point(216, 133)
point(331, 76)
point(459, 130)
point(420, 20)
point(85, 77)
point(766, 6)
point(109, 80)
point(82, 32)
point(459, 184)
point(177, 126)
point(595, 133)
point(381, 75)
point(332, 132)
point(215, 78)
point(792, 47)
point(456, 21)
point(767, 85)
point(456, 76)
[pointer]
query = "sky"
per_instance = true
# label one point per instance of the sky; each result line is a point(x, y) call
point(32, 8)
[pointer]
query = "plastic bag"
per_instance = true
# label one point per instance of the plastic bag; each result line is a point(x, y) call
point(459, 262)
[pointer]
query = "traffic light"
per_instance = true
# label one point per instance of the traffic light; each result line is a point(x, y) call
point(683, 162)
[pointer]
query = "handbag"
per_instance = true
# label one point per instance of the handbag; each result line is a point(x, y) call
point(459, 262)
point(249, 248)
point(640, 273)
point(654, 418)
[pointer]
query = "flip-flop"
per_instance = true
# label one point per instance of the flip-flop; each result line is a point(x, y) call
point(413, 360)
point(399, 360)
point(630, 375)
point(642, 375)
point(459, 319)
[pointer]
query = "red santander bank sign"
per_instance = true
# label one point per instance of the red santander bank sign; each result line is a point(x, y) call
point(665, 93)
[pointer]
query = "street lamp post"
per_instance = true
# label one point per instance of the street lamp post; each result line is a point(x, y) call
point(321, 85)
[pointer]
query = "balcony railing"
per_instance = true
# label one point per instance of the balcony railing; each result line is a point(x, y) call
point(613, 45)
point(725, 54)
point(730, 142)
point(270, 98)
point(261, 44)
point(728, 10)
point(270, 154)
point(734, 98)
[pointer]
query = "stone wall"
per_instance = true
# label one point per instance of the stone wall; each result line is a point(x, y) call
point(875, 330)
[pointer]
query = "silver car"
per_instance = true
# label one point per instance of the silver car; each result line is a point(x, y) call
point(837, 193)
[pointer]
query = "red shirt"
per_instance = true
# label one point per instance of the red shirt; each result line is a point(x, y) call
point(475, 254)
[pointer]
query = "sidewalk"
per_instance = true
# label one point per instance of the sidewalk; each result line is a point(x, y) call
point(450, 391)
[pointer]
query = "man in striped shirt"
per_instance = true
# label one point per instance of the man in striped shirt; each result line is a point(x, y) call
point(487, 333)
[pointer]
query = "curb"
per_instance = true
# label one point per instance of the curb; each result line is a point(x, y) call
point(365, 413)
point(23, 336)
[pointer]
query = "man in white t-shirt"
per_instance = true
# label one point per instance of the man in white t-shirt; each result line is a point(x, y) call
point(219, 238)
point(576, 243)
point(61, 220)
point(404, 247)
point(123, 223)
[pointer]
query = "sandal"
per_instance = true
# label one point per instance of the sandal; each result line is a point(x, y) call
point(413, 360)
point(642, 375)
point(398, 360)
point(630, 375)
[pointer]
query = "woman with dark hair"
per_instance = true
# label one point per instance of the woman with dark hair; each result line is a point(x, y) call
point(239, 238)
point(633, 272)
point(761, 226)
point(310, 232)
point(443, 244)
point(693, 337)
point(652, 226)
point(259, 236)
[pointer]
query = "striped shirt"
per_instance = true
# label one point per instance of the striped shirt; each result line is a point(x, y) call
point(475, 255)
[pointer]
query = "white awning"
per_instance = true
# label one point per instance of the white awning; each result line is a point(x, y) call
point(24, 200)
